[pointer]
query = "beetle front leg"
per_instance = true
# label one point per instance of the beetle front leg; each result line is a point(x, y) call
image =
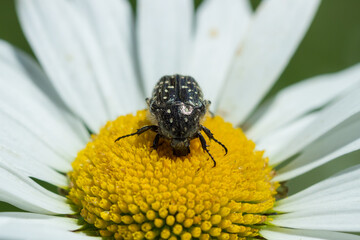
point(211, 136)
point(153, 128)
point(203, 144)
point(156, 141)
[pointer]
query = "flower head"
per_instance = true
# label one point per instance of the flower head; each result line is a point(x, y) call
point(127, 189)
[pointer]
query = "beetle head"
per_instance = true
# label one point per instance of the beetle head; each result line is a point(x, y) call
point(180, 146)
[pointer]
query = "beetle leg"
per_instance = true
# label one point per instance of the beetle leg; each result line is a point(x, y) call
point(203, 144)
point(156, 141)
point(147, 100)
point(207, 104)
point(211, 136)
point(140, 131)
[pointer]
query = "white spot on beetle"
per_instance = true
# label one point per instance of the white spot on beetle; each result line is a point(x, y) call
point(171, 120)
point(168, 111)
point(186, 110)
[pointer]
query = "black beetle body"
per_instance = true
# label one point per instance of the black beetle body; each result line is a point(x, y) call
point(177, 106)
point(176, 109)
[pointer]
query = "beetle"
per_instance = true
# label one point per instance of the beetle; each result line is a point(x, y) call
point(176, 110)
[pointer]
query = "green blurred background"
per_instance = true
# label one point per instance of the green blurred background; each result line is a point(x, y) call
point(331, 44)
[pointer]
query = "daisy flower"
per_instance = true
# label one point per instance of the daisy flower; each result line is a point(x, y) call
point(97, 66)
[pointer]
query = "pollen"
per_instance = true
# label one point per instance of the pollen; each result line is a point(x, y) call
point(128, 190)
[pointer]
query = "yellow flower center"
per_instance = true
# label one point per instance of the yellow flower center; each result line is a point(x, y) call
point(130, 191)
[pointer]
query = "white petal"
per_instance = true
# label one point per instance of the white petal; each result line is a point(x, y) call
point(220, 28)
point(164, 35)
point(26, 75)
point(12, 228)
point(332, 220)
point(20, 139)
point(332, 201)
point(304, 97)
point(41, 219)
point(66, 48)
point(28, 167)
point(24, 193)
point(340, 141)
point(274, 35)
point(20, 99)
point(340, 192)
point(328, 118)
point(112, 24)
point(275, 141)
point(276, 233)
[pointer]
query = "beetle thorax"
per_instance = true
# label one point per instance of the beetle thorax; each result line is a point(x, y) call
point(179, 120)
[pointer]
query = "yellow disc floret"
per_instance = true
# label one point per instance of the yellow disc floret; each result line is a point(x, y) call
point(130, 191)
